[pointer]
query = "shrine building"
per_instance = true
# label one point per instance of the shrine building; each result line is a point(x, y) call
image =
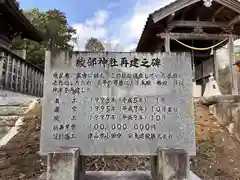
point(199, 27)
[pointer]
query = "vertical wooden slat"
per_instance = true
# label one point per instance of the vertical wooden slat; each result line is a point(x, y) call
point(13, 71)
point(41, 87)
point(29, 79)
point(2, 58)
point(7, 72)
point(26, 80)
point(37, 83)
point(22, 66)
point(34, 82)
point(24, 77)
point(18, 72)
point(33, 79)
point(215, 63)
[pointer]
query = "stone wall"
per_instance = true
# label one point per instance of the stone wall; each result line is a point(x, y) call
point(12, 106)
point(227, 112)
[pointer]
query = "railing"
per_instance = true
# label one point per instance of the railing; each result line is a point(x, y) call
point(19, 75)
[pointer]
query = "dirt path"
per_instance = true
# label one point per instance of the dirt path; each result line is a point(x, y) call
point(218, 154)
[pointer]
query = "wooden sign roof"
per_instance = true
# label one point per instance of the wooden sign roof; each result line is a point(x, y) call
point(18, 22)
point(218, 17)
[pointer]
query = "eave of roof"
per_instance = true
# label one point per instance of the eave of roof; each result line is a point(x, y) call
point(149, 19)
point(171, 8)
point(29, 31)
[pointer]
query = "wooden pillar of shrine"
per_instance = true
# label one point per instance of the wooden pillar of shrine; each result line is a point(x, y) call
point(233, 70)
point(167, 42)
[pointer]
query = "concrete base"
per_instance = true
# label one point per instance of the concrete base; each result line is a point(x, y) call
point(120, 175)
point(125, 175)
point(68, 164)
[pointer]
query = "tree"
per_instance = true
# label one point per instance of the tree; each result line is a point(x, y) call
point(56, 31)
point(16, 3)
point(94, 45)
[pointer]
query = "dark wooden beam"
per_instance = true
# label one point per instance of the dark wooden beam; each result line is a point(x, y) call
point(170, 17)
point(218, 11)
point(231, 4)
point(193, 36)
point(185, 12)
point(235, 20)
point(169, 20)
point(203, 24)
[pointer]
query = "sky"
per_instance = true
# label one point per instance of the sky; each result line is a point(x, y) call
point(111, 21)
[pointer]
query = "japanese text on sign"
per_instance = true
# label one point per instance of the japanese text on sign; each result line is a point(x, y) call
point(118, 103)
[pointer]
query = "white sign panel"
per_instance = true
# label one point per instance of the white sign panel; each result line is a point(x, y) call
point(117, 103)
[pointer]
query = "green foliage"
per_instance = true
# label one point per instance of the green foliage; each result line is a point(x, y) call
point(16, 2)
point(94, 45)
point(56, 30)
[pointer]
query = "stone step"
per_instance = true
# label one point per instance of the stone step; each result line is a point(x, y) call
point(12, 110)
point(8, 118)
point(15, 99)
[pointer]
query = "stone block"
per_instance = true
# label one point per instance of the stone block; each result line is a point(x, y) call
point(65, 164)
point(231, 128)
point(220, 113)
point(237, 125)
